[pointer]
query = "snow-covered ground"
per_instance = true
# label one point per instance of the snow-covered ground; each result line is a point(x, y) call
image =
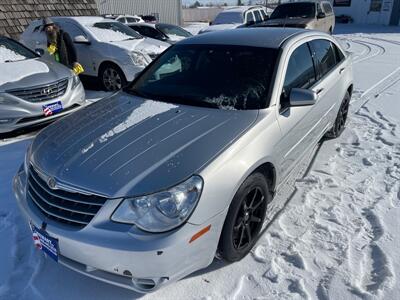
point(337, 238)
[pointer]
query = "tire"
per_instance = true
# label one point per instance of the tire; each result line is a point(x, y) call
point(245, 218)
point(111, 77)
point(340, 122)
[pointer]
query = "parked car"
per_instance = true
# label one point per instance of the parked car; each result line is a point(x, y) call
point(149, 18)
point(125, 19)
point(107, 49)
point(146, 187)
point(234, 17)
point(316, 15)
point(32, 90)
point(164, 32)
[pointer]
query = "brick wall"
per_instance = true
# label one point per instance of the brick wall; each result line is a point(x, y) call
point(15, 15)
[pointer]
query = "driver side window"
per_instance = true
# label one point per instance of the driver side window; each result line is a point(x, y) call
point(300, 73)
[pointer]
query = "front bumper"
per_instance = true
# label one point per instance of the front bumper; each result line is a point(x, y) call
point(121, 254)
point(24, 114)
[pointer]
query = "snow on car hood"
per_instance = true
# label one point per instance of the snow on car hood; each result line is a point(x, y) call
point(146, 45)
point(219, 27)
point(32, 72)
point(129, 146)
point(18, 70)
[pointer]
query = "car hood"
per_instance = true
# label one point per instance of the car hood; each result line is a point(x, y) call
point(219, 27)
point(129, 146)
point(29, 73)
point(147, 45)
point(291, 21)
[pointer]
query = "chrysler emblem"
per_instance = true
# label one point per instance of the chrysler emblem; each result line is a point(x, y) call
point(51, 182)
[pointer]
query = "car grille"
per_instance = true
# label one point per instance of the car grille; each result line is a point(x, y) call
point(42, 93)
point(71, 208)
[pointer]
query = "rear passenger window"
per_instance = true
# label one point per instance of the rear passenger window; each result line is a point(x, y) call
point(257, 14)
point(264, 15)
point(338, 54)
point(250, 17)
point(327, 8)
point(324, 55)
point(300, 72)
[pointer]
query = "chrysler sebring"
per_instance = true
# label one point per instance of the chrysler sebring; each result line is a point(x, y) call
point(147, 186)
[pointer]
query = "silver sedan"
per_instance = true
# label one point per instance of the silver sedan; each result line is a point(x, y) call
point(147, 187)
point(33, 90)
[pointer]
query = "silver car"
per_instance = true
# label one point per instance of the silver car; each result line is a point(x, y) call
point(239, 16)
point(33, 90)
point(146, 187)
point(107, 49)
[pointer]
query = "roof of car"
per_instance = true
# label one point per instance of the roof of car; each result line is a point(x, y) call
point(254, 37)
point(153, 25)
point(87, 20)
point(241, 8)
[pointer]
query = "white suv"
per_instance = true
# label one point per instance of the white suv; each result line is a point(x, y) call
point(234, 17)
point(106, 48)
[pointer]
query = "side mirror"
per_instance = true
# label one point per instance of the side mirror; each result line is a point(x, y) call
point(321, 15)
point(80, 39)
point(302, 97)
point(39, 52)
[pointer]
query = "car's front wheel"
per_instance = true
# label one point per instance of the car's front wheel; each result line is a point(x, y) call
point(341, 118)
point(111, 77)
point(245, 218)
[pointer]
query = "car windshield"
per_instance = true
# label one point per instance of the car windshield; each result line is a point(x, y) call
point(294, 10)
point(11, 51)
point(217, 76)
point(172, 30)
point(112, 32)
point(229, 18)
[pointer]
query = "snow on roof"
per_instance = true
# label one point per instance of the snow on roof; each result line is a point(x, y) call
point(241, 8)
point(108, 35)
point(87, 20)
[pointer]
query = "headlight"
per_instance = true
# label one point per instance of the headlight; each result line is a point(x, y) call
point(138, 59)
point(162, 211)
point(27, 159)
point(75, 81)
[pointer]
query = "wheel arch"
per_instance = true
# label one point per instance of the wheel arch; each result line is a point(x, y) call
point(109, 62)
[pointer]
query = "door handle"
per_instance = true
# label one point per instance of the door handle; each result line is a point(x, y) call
point(341, 70)
point(320, 91)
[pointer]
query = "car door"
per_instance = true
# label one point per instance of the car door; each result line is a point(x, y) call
point(298, 124)
point(330, 82)
point(85, 56)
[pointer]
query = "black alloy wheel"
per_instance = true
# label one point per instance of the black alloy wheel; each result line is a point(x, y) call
point(245, 218)
point(340, 122)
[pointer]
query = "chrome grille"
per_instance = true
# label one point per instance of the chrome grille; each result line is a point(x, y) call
point(71, 208)
point(41, 93)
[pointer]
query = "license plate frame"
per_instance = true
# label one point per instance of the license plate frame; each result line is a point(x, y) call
point(45, 242)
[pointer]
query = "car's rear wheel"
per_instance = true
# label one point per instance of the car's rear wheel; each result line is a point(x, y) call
point(340, 122)
point(111, 77)
point(245, 218)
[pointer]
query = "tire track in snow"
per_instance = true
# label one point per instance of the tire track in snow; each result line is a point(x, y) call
point(337, 216)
